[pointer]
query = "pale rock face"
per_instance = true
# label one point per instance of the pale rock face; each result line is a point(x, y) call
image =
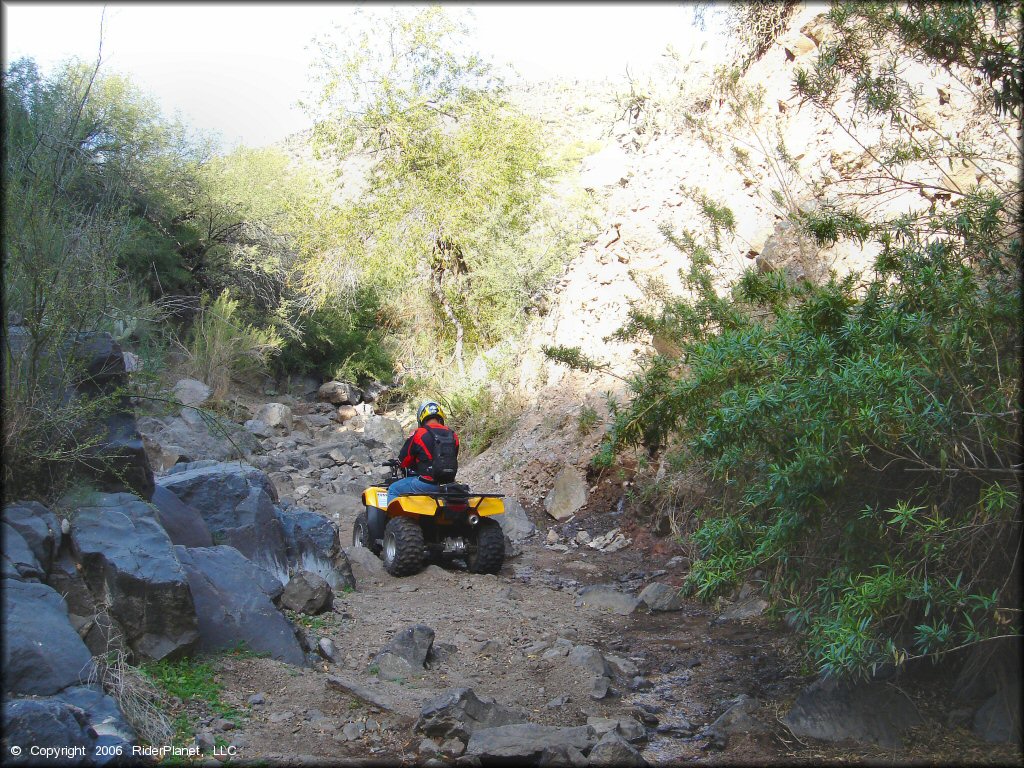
point(568, 494)
point(191, 392)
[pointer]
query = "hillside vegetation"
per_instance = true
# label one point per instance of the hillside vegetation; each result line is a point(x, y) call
point(857, 431)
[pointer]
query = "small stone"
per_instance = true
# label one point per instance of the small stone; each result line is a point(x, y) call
point(353, 731)
point(257, 700)
point(557, 702)
point(280, 717)
point(599, 687)
point(223, 724)
point(325, 647)
point(428, 747)
point(552, 536)
point(453, 746)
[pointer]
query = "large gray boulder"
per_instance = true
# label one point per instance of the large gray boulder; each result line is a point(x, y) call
point(525, 742)
point(514, 522)
point(184, 525)
point(47, 724)
point(19, 562)
point(38, 526)
point(458, 712)
point(233, 599)
point(237, 502)
point(191, 392)
point(103, 715)
point(127, 557)
point(312, 543)
point(42, 653)
point(406, 653)
point(865, 713)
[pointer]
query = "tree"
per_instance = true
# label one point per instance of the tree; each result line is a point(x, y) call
point(455, 181)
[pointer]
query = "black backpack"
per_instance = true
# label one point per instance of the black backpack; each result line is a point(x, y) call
point(446, 456)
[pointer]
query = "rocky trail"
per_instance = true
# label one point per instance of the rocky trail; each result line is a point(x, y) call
point(565, 636)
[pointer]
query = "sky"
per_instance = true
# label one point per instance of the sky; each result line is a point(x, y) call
point(238, 70)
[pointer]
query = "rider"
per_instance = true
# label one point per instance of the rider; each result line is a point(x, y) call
point(420, 450)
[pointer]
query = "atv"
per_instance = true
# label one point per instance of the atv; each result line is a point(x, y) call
point(451, 523)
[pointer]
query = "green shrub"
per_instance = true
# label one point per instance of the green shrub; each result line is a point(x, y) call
point(349, 342)
point(219, 347)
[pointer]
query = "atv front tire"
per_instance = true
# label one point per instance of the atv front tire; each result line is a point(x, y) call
point(489, 553)
point(361, 534)
point(403, 547)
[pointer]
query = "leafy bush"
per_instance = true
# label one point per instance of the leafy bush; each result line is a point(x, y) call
point(346, 341)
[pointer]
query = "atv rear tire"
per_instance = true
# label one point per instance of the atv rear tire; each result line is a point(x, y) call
point(404, 549)
point(361, 534)
point(489, 553)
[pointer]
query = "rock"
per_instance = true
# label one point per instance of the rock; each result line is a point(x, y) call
point(191, 392)
point(103, 715)
point(119, 462)
point(613, 750)
point(458, 712)
point(365, 564)
point(19, 562)
point(373, 391)
point(600, 687)
point(627, 728)
point(325, 647)
point(237, 502)
point(339, 393)
point(174, 440)
point(94, 624)
point(183, 524)
point(257, 700)
point(307, 592)
point(527, 741)
point(568, 494)
point(353, 731)
point(259, 428)
point(47, 723)
point(514, 522)
point(738, 718)
point(612, 541)
point(563, 757)
point(998, 720)
point(346, 413)
point(233, 604)
point(661, 597)
point(127, 557)
point(590, 659)
point(557, 702)
point(833, 711)
point(582, 537)
point(385, 431)
point(405, 655)
point(606, 598)
point(275, 415)
point(746, 609)
point(621, 666)
point(38, 526)
point(42, 653)
point(313, 544)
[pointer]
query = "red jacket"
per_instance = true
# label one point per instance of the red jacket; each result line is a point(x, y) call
point(418, 451)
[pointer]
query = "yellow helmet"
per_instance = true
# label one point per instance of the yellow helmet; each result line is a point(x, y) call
point(429, 409)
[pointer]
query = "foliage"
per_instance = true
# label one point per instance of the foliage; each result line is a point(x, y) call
point(480, 415)
point(193, 682)
point(587, 419)
point(349, 341)
point(754, 27)
point(220, 346)
point(863, 435)
point(452, 220)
